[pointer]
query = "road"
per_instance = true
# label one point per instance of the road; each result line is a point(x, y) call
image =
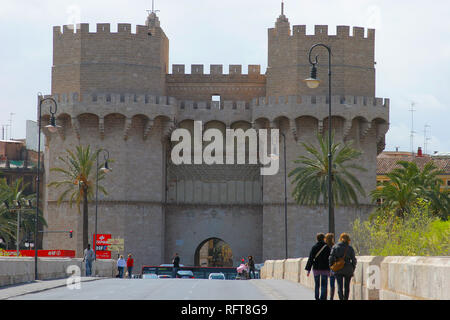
point(177, 289)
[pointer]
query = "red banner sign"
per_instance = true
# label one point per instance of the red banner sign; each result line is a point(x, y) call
point(101, 244)
point(43, 253)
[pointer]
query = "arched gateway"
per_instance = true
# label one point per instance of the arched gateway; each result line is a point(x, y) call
point(213, 252)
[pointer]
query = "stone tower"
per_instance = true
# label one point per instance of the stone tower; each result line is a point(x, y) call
point(114, 91)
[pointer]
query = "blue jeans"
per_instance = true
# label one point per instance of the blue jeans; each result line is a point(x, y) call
point(332, 285)
point(130, 270)
point(120, 272)
point(343, 283)
point(320, 281)
point(88, 268)
point(174, 272)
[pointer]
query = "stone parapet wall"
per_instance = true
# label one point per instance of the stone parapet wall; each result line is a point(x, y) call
point(15, 270)
point(378, 278)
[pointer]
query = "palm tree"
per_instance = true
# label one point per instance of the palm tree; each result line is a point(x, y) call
point(79, 181)
point(408, 183)
point(8, 221)
point(311, 177)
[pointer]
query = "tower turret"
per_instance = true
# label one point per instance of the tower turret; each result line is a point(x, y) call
point(352, 60)
point(105, 61)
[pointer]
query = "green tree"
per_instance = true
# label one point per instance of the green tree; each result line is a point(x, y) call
point(408, 183)
point(311, 177)
point(419, 233)
point(78, 181)
point(8, 217)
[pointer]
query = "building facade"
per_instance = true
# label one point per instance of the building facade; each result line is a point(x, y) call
point(114, 91)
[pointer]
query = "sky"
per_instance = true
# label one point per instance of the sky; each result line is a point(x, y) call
point(412, 49)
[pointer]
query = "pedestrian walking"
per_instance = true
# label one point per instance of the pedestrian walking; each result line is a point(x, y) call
point(176, 265)
point(121, 263)
point(251, 266)
point(343, 263)
point(88, 257)
point(130, 264)
point(318, 261)
point(329, 240)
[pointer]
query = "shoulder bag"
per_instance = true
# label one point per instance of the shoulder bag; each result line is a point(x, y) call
point(339, 263)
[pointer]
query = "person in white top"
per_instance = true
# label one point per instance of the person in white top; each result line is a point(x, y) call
point(121, 264)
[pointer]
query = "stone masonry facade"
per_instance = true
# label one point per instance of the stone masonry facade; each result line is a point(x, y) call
point(114, 91)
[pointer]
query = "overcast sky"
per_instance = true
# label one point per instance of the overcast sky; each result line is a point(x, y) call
point(412, 48)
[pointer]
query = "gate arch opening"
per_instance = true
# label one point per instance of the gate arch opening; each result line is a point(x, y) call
point(213, 252)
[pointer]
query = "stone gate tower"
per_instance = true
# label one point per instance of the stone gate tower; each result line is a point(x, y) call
point(114, 91)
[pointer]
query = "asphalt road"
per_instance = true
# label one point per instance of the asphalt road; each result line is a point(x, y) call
point(177, 289)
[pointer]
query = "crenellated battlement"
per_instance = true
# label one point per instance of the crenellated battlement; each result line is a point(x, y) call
point(102, 29)
point(347, 100)
point(216, 70)
point(130, 99)
point(113, 99)
point(321, 31)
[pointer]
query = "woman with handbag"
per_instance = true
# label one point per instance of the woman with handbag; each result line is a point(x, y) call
point(318, 261)
point(343, 263)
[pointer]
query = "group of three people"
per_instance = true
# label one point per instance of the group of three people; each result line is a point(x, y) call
point(325, 254)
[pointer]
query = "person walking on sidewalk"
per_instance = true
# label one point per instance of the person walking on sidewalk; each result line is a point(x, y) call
point(329, 240)
point(343, 251)
point(251, 267)
point(121, 263)
point(318, 261)
point(130, 264)
point(176, 265)
point(88, 257)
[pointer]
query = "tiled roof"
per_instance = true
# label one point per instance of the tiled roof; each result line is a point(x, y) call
point(386, 164)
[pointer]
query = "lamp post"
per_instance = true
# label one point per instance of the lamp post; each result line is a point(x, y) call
point(104, 169)
point(52, 128)
point(313, 83)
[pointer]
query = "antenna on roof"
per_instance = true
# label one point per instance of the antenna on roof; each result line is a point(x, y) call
point(425, 138)
point(282, 8)
point(412, 110)
point(153, 8)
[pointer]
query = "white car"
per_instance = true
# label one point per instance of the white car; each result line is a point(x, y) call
point(149, 276)
point(216, 276)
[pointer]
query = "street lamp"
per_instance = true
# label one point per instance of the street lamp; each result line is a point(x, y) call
point(274, 156)
point(104, 169)
point(312, 82)
point(52, 128)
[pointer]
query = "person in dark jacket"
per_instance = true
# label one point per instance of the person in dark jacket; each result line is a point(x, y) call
point(251, 267)
point(343, 276)
point(318, 261)
point(176, 265)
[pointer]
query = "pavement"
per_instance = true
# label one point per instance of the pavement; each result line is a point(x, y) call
point(160, 289)
point(12, 291)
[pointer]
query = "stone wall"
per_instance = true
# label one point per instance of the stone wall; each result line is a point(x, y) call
point(20, 270)
point(378, 278)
